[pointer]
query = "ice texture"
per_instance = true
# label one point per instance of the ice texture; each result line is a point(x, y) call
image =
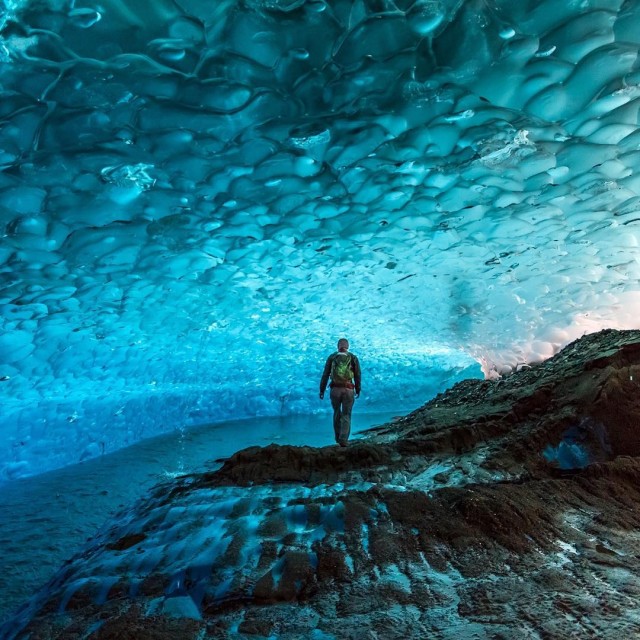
point(197, 199)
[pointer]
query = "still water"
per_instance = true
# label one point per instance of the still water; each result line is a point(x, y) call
point(46, 519)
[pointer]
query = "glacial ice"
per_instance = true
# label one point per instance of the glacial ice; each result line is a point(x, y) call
point(197, 200)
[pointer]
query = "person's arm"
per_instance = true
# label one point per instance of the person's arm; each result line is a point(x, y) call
point(325, 377)
point(356, 374)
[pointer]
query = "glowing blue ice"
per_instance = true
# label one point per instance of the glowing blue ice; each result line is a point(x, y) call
point(567, 455)
point(197, 199)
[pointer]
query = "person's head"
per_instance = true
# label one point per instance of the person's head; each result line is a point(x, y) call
point(343, 344)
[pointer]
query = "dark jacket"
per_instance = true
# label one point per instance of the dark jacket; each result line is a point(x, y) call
point(327, 372)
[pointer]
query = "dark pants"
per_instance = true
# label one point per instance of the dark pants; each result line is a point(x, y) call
point(342, 403)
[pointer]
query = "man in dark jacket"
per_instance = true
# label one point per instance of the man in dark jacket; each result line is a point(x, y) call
point(343, 367)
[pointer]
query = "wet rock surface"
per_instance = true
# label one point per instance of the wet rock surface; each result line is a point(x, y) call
point(500, 509)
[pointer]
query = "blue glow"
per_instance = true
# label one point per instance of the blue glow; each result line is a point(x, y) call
point(197, 200)
point(581, 444)
point(567, 455)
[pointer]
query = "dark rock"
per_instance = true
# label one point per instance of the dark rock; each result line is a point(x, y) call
point(500, 509)
point(126, 542)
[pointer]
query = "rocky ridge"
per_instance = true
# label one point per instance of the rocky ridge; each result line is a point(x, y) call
point(499, 509)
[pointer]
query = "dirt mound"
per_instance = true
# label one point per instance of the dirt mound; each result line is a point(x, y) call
point(500, 509)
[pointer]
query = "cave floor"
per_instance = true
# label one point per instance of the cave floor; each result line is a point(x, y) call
point(47, 518)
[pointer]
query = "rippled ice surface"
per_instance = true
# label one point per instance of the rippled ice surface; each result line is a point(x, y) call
point(45, 519)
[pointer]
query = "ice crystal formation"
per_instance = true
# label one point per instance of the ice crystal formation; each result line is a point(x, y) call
point(197, 198)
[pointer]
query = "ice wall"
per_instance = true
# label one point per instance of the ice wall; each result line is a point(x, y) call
point(198, 198)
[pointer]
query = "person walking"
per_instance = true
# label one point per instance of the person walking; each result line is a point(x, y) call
point(343, 367)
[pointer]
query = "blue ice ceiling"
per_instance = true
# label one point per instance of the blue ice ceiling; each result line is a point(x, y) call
point(197, 198)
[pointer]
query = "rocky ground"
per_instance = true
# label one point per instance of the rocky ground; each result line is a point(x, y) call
point(500, 509)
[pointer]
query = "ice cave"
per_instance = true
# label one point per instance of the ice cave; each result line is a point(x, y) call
point(197, 199)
